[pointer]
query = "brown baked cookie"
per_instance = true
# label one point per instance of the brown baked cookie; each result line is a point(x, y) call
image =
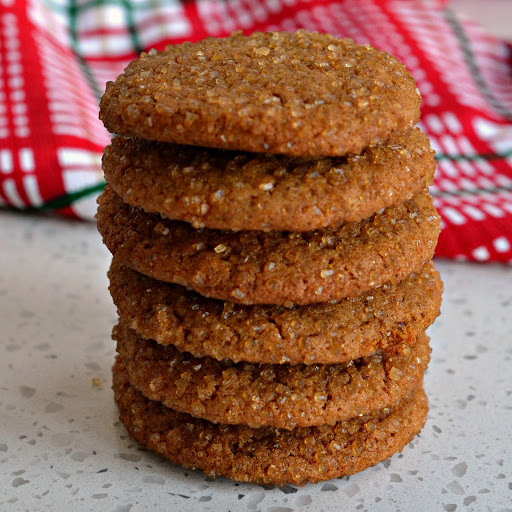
point(253, 267)
point(266, 395)
point(233, 190)
point(304, 94)
point(386, 318)
point(268, 455)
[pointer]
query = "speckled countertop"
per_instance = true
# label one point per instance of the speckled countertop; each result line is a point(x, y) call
point(63, 448)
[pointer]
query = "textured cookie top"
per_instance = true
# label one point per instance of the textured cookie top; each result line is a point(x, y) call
point(267, 395)
point(238, 190)
point(297, 94)
point(387, 318)
point(252, 267)
point(268, 455)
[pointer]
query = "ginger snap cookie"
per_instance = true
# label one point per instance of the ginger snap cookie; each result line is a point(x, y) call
point(258, 191)
point(265, 395)
point(253, 267)
point(386, 318)
point(304, 94)
point(272, 234)
point(268, 455)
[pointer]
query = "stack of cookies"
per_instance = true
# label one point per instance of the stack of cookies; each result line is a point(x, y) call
point(272, 234)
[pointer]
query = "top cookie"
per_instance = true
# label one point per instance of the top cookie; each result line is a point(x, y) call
point(303, 94)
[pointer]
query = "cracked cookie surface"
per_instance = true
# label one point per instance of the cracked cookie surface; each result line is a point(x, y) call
point(252, 267)
point(268, 455)
point(387, 318)
point(261, 395)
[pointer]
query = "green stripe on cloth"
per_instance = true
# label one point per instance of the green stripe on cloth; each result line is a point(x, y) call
point(69, 199)
point(474, 158)
point(469, 57)
point(73, 16)
point(128, 6)
point(91, 4)
point(477, 191)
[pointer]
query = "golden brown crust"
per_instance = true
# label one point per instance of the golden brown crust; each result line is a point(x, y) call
point(268, 455)
point(312, 244)
point(387, 318)
point(265, 395)
point(297, 94)
point(252, 267)
point(254, 191)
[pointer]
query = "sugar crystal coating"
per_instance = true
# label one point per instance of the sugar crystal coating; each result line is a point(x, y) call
point(238, 190)
point(268, 454)
point(258, 395)
point(308, 232)
point(386, 318)
point(387, 247)
point(297, 94)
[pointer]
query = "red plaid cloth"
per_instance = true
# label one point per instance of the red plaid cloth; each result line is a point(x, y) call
point(56, 55)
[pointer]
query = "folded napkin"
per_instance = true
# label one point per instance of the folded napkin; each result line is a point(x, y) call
point(56, 56)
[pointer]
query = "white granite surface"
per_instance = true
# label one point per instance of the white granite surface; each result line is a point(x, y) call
point(63, 449)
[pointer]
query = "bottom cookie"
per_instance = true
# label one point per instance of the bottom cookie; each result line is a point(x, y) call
point(268, 455)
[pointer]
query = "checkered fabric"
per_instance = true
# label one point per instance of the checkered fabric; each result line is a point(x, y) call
point(56, 55)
